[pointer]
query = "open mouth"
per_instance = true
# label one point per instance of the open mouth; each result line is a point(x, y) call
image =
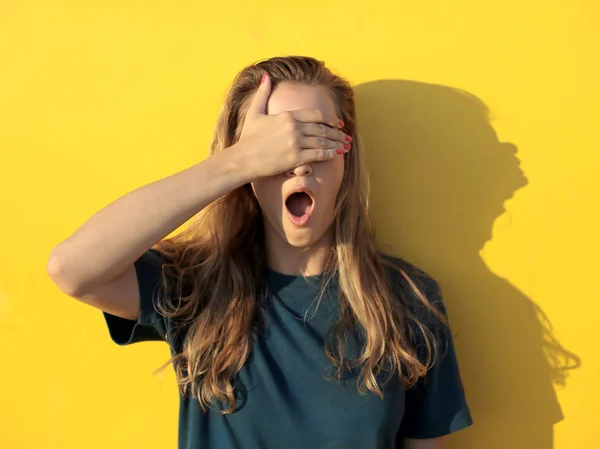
point(299, 203)
point(299, 206)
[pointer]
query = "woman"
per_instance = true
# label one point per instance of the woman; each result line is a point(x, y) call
point(287, 327)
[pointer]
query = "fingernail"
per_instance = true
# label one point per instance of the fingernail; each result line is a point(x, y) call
point(347, 146)
point(341, 124)
point(338, 151)
point(264, 78)
point(348, 139)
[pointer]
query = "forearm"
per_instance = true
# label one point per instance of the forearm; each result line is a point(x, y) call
point(113, 238)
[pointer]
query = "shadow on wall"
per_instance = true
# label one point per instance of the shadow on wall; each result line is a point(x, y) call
point(439, 179)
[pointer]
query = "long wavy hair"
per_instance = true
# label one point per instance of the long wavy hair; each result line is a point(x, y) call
point(215, 265)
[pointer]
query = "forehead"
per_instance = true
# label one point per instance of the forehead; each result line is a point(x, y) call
point(291, 97)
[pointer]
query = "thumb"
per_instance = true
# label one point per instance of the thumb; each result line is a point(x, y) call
point(259, 101)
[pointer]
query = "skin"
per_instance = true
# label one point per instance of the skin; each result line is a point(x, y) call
point(286, 244)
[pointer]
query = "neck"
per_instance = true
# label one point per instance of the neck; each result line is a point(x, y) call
point(297, 261)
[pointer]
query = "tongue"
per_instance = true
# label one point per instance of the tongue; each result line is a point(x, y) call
point(299, 204)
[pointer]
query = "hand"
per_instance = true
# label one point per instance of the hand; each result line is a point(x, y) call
point(275, 143)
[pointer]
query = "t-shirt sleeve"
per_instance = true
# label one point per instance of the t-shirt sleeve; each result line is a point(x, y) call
point(149, 325)
point(437, 405)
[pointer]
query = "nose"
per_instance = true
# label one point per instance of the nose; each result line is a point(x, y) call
point(300, 170)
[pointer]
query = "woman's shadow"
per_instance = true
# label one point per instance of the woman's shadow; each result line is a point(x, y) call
point(439, 179)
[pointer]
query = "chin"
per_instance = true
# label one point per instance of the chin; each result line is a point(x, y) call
point(299, 239)
point(306, 236)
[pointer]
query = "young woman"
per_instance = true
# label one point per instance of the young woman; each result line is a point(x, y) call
point(287, 327)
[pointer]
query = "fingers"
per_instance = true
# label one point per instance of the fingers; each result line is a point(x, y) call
point(320, 154)
point(327, 132)
point(258, 105)
point(323, 143)
point(317, 116)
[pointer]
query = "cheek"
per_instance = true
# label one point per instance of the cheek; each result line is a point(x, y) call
point(267, 193)
point(340, 168)
point(333, 174)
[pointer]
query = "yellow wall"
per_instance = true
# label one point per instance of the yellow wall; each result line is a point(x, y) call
point(100, 97)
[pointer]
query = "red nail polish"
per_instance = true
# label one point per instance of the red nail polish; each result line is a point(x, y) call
point(346, 146)
point(264, 78)
point(338, 151)
point(348, 139)
point(341, 124)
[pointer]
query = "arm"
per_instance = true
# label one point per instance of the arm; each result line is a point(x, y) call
point(433, 443)
point(121, 232)
point(97, 263)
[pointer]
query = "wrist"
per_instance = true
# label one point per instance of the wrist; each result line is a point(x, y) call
point(239, 162)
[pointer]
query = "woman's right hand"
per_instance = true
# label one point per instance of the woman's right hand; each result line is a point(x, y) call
point(276, 143)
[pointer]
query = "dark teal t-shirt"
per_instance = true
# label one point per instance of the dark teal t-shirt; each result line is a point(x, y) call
point(285, 399)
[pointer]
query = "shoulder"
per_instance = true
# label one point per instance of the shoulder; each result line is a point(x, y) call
point(418, 293)
point(420, 297)
point(157, 266)
point(158, 280)
point(408, 276)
